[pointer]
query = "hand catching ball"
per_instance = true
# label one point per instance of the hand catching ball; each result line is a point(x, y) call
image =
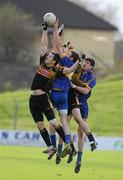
point(49, 18)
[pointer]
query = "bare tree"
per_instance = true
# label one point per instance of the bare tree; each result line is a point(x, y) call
point(17, 33)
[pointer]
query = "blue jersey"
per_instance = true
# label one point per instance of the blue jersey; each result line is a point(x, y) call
point(66, 62)
point(62, 82)
point(90, 79)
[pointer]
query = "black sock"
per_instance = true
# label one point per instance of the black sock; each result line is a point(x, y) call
point(60, 132)
point(90, 137)
point(45, 135)
point(72, 146)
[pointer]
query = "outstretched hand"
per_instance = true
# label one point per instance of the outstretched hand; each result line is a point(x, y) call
point(82, 57)
point(44, 26)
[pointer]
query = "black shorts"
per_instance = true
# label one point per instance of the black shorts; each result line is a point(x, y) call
point(40, 105)
point(73, 101)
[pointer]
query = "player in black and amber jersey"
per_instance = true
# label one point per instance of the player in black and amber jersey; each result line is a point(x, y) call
point(39, 102)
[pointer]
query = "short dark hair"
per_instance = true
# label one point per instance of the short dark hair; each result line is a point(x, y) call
point(74, 55)
point(92, 61)
point(42, 58)
point(56, 57)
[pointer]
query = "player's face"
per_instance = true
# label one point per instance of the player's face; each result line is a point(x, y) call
point(70, 47)
point(86, 65)
point(67, 51)
point(49, 59)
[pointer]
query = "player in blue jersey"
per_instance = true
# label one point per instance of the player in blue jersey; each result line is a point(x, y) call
point(69, 59)
point(59, 90)
point(74, 110)
point(59, 97)
point(87, 81)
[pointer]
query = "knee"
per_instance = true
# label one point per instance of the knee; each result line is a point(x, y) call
point(51, 129)
point(53, 123)
point(40, 125)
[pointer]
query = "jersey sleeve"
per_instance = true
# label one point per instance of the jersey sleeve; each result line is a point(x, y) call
point(59, 70)
point(76, 76)
point(92, 82)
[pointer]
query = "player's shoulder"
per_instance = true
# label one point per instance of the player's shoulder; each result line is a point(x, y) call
point(66, 61)
point(91, 74)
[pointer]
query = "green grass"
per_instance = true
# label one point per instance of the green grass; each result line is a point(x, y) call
point(106, 106)
point(29, 163)
point(106, 109)
point(9, 102)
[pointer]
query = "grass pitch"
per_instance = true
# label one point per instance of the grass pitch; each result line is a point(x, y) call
point(29, 163)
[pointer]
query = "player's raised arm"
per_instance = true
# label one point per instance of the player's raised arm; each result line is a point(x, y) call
point(44, 40)
point(56, 40)
point(71, 69)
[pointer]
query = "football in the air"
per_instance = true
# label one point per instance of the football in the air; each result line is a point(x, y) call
point(50, 18)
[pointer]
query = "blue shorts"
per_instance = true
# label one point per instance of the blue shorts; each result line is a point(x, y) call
point(59, 99)
point(84, 110)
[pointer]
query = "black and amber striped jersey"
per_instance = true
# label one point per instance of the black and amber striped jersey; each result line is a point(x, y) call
point(43, 77)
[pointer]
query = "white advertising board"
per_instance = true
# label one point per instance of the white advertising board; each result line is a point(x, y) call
point(32, 138)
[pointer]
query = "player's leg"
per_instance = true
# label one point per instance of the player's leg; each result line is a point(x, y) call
point(72, 103)
point(60, 99)
point(75, 108)
point(69, 118)
point(65, 125)
point(60, 143)
point(52, 135)
point(84, 126)
point(50, 115)
point(53, 122)
point(58, 128)
point(61, 132)
point(73, 150)
point(36, 109)
point(59, 150)
point(53, 140)
point(52, 132)
point(81, 137)
point(45, 135)
point(80, 149)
